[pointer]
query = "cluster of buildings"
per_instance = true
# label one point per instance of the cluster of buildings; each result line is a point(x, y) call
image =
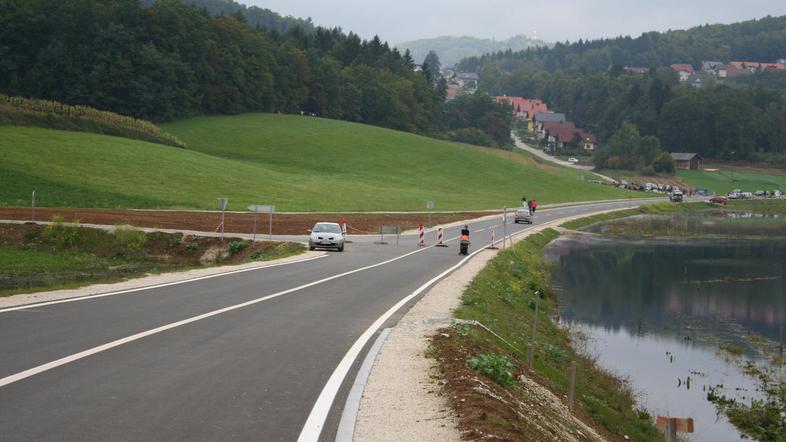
point(716, 70)
point(551, 128)
point(460, 83)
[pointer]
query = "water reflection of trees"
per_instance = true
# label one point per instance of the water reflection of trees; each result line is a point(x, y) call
point(613, 283)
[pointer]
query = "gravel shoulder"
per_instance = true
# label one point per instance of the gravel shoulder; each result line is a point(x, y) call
point(402, 399)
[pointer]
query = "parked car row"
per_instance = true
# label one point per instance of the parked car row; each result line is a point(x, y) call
point(738, 194)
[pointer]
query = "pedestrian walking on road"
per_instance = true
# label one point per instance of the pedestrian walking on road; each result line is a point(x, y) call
point(534, 204)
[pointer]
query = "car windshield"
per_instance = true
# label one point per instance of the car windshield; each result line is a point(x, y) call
point(327, 228)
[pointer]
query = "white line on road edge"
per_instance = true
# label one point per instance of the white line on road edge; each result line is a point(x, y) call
point(68, 359)
point(316, 419)
point(319, 413)
point(346, 428)
point(151, 287)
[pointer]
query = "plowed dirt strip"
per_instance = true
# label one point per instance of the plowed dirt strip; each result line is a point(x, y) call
point(283, 224)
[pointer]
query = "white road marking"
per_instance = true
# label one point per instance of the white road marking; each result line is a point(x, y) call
point(89, 352)
point(150, 287)
point(316, 419)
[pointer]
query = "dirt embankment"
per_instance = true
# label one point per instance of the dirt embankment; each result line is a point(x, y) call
point(283, 224)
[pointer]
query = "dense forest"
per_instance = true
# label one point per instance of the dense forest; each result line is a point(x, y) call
point(754, 40)
point(741, 119)
point(176, 58)
point(172, 60)
point(255, 16)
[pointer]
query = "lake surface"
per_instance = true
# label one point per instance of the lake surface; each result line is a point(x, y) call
point(656, 310)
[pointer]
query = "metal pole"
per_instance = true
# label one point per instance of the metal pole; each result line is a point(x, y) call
point(32, 208)
point(222, 224)
point(255, 226)
point(270, 225)
point(429, 218)
point(504, 225)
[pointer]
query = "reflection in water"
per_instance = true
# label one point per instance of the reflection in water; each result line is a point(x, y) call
point(655, 310)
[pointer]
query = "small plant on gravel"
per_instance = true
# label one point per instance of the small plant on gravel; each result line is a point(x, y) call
point(237, 246)
point(192, 246)
point(129, 241)
point(60, 234)
point(175, 240)
point(256, 255)
point(497, 367)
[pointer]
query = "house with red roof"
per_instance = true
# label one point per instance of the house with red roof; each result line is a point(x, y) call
point(755, 66)
point(524, 108)
point(684, 70)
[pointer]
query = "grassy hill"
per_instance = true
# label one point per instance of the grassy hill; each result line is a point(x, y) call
point(722, 182)
point(297, 163)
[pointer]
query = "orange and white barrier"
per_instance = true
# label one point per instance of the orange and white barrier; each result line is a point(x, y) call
point(440, 238)
point(422, 236)
point(493, 245)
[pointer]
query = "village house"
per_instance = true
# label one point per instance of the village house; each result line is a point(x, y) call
point(683, 70)
point(524, 108)
point(467, 80)
point(687, 161)
point(542, 117)
point(710, 65)
point(755, 66)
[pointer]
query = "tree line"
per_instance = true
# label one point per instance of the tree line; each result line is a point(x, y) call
point(256, 16)
point(761, 40)
point(173, 59)
point(742, 121)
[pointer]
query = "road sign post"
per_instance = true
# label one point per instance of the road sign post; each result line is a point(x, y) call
point(222, 204)
point(429, 206)
point(257, 208)
point(32, 208)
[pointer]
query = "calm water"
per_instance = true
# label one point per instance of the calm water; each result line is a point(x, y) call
point(656, 310)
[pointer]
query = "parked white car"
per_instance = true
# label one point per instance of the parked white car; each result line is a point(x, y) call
point(573, 160)
point(326, 236)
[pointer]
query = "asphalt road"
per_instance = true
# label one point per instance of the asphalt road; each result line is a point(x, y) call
point(236, 357)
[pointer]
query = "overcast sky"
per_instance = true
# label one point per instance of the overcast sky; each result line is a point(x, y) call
point(553, 20)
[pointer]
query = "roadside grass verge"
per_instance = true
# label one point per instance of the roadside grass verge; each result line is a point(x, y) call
point(503, 297)
point(20, 111)
point(67, 255)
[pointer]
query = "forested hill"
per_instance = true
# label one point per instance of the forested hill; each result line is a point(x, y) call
point(172, 60)
point(759, 40)
point(255, 16)
point(451, 50)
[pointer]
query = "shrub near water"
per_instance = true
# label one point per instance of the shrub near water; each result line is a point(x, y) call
point(60, 234)
point(129, 241)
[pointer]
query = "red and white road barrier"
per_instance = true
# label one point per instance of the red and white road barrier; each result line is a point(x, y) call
point(440, 238)
point(493, 245)
point(422, 236)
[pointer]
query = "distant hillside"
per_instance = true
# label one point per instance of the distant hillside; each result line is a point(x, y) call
point(283, 160)
point(452, 49)
point(255, 16)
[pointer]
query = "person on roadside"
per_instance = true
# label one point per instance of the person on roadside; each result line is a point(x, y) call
point(534, 204)
point(465, 232)
point(524, 201)
point(529, 206)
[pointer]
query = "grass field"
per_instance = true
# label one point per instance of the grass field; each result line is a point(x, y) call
point(297, 163)
point(722, 182)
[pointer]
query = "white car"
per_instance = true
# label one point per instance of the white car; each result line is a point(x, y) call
point(522, 216)
point(573, 160)
point(326, 236)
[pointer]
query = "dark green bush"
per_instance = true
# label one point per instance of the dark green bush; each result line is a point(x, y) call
point(497, 367)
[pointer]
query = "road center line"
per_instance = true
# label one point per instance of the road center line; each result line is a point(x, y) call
point(110, 345)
